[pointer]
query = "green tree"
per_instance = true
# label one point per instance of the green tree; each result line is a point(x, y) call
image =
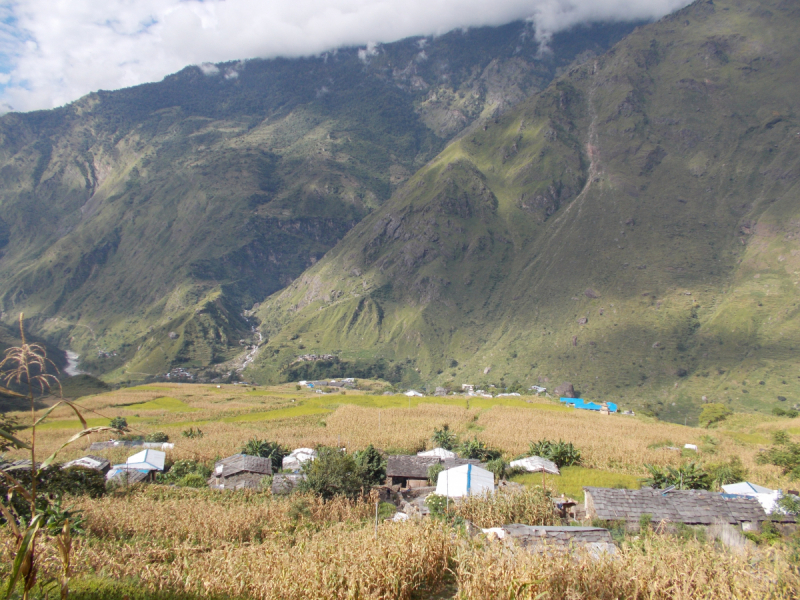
point(333, 473)
point(713, 413)
point(372, 465)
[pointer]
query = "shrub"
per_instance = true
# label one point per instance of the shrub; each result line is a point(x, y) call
point(564, 454)
point(266, 449)
point(187, 473)
point(192, 433)
point(192, 480)
point(158, 437)
point(499, 467)
point(790, 503)
point(120, 423)
point(75, 481)
point(784, 454)
point(725, 473)
point(713, 413)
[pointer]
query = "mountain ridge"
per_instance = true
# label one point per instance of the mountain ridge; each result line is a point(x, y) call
point(138, 224)
point(618, 213)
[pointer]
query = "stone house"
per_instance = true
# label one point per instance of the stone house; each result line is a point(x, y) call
point(240, 471)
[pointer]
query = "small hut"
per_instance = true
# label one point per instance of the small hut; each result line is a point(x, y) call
point(240, 471)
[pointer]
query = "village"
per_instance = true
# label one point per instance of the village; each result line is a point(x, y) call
point(433, 483)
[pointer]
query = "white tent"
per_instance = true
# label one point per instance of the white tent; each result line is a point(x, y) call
point(296, 459)
point(146, 460)
point(767, 498)
point(536, 464)
point(438, 453)
point(410, 393)
point(466, 480)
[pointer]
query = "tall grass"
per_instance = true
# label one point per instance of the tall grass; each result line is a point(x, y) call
point(657, 568)
point(531, 506)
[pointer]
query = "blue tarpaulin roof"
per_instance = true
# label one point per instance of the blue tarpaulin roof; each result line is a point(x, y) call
point(581, 403)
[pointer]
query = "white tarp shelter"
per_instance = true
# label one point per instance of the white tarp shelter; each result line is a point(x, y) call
point(146, 460)
point(466, 480)
point(296, 459)
point(438, 453)
point(536, 464)
point(767, 498)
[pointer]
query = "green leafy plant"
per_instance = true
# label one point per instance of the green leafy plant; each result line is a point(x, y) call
point(564, 454)
point(477, 450)
point(333, 473)
point(725, 473)
point(119, 423)
point(790, 503)
point(783, 454)
point(444, 438)
point(689, 476)
point(433, 472)
point(186, 473)
point(266, 449)
point(372, 465)
point(192, 433)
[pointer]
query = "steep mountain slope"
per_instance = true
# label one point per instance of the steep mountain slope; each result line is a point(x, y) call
point(633, 229)
point(136, 225)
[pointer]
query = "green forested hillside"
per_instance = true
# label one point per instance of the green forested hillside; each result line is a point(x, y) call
point(633, 230)
point(137, 225)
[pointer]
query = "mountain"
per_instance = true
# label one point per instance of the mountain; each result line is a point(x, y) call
point(634, 229)
point(137, 226)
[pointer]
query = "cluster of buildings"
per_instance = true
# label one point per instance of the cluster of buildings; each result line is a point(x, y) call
point(346, 383)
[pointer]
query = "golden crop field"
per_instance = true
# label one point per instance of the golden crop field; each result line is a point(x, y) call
point(229, 415)
point(159, 541)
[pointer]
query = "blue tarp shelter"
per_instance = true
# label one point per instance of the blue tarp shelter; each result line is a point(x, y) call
point(582, 404)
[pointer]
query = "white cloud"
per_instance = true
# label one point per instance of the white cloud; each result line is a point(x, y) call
point(58, 50)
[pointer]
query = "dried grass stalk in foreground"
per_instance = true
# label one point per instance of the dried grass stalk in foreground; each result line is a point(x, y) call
point(335, 563)
point(530, 505)
point(659, 568)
